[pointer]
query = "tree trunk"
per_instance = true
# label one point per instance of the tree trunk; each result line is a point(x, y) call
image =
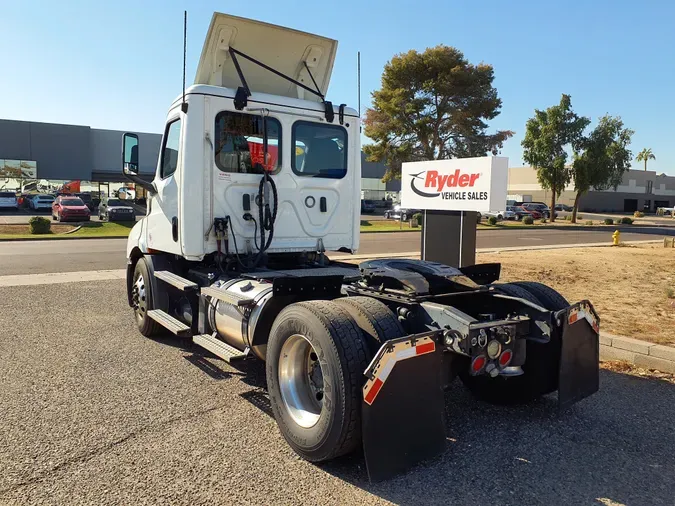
point(645, 165)
point(576, 207)
point(553, 192)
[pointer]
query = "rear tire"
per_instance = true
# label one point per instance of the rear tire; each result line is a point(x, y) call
point(318, 412)
point(540, 371)
point(376, 321)
point(143, 299)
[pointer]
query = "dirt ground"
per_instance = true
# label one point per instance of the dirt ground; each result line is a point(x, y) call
point(631, 287)
point(25, 229)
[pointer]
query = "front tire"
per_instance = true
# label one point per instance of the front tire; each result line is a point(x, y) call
point(143, 300)
point(315, 362)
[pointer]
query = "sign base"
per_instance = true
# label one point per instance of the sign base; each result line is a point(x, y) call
point(449, 237)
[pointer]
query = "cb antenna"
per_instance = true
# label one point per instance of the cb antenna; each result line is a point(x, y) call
point(358, 74)
point(184, 106)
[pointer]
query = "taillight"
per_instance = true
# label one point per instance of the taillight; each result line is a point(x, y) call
point(505, 358)
point(478, 364)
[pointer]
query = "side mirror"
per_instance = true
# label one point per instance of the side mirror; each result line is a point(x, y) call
point(130, 154)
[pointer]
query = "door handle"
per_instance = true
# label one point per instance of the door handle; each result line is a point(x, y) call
point(174, 228)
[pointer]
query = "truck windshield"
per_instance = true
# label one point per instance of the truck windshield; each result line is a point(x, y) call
point(239, 143)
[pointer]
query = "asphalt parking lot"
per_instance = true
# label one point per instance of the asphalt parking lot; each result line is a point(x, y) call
point(93, 413)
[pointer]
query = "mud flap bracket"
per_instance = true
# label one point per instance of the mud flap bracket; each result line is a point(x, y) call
point(579, 372)
point(403, 405)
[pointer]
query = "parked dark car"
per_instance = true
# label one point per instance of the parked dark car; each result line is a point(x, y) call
point(86, 198)
point(367, 207)
point(538, 207)
point(564, 207)
point(400, 213)
point(69, 208)
point(519, 211)
point(532, 212)
point(112, 209)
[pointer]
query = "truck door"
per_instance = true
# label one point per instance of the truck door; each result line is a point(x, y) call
point(163, 226)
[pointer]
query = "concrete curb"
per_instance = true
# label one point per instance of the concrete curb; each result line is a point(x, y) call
point(416, 254)
point(639, 353)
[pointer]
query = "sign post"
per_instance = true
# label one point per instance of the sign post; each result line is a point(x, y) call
point(450, 193)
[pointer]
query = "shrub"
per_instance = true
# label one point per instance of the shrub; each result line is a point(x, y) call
point(568, 218)
point(39, 225)
point(638, 214)
point(492, 220)
point(527, 220)
point(589, 222)
point(626, 221)
point(478, 217)
point(418, 219)
point(544, 220)
point(579, 217)
point(609, 221)
point(670, 292)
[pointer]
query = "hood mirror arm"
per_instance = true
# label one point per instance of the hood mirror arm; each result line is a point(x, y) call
point(241, 99)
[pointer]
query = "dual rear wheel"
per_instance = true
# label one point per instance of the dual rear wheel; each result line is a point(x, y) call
point(316, 355)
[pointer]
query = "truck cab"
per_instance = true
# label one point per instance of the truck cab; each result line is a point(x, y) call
point(239, 122)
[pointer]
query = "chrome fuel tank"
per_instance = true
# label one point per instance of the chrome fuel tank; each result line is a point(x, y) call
point(235, 325)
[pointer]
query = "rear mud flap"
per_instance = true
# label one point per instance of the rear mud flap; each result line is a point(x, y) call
point(579, 373)
point(403, 406)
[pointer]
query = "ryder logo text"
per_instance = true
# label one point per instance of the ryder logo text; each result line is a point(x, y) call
point(437, 184)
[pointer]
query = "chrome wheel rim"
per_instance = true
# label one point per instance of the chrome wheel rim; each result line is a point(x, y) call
point(301, 381)
point(139, 298)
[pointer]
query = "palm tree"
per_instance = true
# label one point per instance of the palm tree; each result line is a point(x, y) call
point(644, 155)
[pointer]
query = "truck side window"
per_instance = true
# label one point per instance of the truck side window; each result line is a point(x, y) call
point(320, 150)
point(170, 149)
point(239, 143)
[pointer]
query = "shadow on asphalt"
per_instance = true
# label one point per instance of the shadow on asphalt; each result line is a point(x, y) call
point(616, 445)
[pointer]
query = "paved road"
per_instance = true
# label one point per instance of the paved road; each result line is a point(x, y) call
point(92, 413)
point(26, 257)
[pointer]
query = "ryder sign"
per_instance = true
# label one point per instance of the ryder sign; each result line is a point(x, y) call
point(461, 184)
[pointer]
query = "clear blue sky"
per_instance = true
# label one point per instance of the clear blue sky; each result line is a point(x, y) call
point(118, 64)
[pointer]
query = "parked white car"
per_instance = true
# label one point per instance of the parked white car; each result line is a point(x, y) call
point(41, 202)
point(8, 200)
point(502, 215)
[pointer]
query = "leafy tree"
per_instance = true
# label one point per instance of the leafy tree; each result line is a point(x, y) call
point(548, 135)
point(645, 155)
point(604, 159)
point(432, 105)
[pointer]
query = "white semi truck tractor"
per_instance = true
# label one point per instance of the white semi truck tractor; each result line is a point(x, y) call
point(258, 177)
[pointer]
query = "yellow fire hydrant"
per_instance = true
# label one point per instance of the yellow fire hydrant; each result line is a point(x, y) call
point(616, 236)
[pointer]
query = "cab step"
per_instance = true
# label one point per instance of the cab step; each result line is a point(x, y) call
point(219, 348)
point(170, 323)
point(228, 297)
point(175, 280)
